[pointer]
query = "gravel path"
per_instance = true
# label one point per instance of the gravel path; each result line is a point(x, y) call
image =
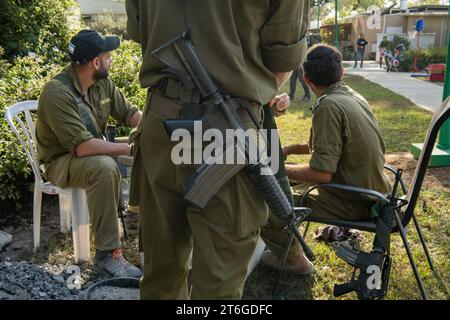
point(25, 281)
point(114, 293)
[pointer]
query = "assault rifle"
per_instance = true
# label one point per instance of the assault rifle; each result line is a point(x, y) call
point(220, 112)
point(374, 267)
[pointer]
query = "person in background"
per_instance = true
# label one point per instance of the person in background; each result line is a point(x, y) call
point(382, 51)
point(361, 44)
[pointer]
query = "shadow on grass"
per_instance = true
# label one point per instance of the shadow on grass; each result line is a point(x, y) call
point(260, 285)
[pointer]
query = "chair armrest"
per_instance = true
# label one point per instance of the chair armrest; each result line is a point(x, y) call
point(395, 171)
point(390, 168)
point(344, 187)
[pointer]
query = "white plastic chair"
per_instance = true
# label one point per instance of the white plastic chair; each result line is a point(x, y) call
point(72, 201)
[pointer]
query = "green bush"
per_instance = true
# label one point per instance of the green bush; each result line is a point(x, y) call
point(110, 23)
point(398, 40)
point(426, 56)
point(19, 81)
point(347, 53)
point(34, 26)
point(125, 74)
point(33, 40)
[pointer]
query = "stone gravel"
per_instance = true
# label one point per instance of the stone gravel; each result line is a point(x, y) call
point(25, 281)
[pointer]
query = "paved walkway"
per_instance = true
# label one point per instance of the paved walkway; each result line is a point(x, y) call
point(422, 93)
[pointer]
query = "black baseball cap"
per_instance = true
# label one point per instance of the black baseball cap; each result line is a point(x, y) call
point(88, 44)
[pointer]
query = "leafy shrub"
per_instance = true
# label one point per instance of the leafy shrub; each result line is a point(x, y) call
point(347, 53)
point(21, 80)
point(426, 56)
point(38, 26)
point(110, 23)
point(398, 40)
point(125, 74)
point(33, 40)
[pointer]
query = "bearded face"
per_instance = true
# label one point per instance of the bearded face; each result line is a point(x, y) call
point(102, 72)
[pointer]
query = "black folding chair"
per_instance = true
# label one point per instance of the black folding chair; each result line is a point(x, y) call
point(404, 213)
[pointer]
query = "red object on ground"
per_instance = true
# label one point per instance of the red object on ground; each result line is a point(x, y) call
point(436, 68)
point(437, 77)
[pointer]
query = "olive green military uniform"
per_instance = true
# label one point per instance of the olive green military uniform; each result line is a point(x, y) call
point(384, 44)
point(241, 44)
point(345, 141)
point(60, 129)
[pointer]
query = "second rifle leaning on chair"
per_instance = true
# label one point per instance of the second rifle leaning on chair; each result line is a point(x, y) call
point(72, 116)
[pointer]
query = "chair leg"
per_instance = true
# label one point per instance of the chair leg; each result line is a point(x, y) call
point(306, 229)
point(427, 253)
point(37, 205)
point(64, 213)
point(282, 262)
point(121, 214)
point(422, 241)
point(410, 256)
point(80, 225)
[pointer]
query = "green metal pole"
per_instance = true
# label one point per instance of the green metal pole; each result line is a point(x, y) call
point(441, 153)
point(444, 133)
point(318, 18)
point(336, 26)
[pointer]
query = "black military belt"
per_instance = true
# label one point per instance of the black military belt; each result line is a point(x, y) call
point(174, 90)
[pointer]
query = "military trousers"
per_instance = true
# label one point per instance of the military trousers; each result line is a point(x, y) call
point(222, 237)
point(100, 177)
point(323, 204)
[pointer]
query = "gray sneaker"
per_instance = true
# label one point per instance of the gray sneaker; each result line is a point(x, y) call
point(113, 263)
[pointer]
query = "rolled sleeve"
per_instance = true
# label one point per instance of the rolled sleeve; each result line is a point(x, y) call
point(283, 36)
point(284, 58)
point(63, 118)
point(327, 140)
point(76, 141)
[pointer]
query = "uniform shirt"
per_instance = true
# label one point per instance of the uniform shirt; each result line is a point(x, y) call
point(240, 42)
point(59, 128)
point(362, 42)
point(384, 44)
point(346, 141)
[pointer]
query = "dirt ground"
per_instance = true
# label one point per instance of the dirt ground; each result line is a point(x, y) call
point(258, 286)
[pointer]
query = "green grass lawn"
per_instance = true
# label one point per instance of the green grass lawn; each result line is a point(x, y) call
point(401, 123)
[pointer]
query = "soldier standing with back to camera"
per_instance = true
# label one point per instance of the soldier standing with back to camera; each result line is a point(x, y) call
point(249, 49)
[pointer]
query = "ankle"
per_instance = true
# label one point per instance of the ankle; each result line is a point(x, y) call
point(300, 259)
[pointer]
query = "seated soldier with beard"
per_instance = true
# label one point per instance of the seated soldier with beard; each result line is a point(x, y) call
point(72, 115)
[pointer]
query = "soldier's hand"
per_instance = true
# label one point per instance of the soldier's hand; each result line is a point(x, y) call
point(283, 102)
point(280, 103)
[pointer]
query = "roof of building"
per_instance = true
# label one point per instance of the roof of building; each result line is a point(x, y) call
point(94, 7)
point(428, 7)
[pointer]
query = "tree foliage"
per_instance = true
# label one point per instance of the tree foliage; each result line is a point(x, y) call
point(34, 26)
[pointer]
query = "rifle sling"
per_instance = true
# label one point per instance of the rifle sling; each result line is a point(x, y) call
point(85, 112)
